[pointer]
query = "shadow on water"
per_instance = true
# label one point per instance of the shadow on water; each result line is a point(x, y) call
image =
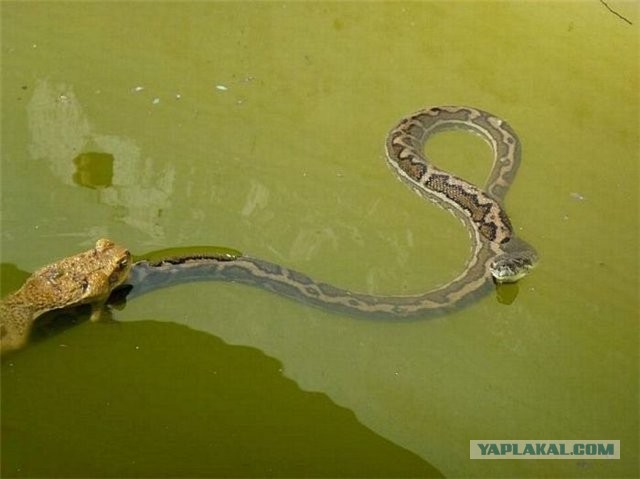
point(11, 278)
point(259, 423)
point(213, 410)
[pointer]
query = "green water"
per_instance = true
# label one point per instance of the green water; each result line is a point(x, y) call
point(260, 127)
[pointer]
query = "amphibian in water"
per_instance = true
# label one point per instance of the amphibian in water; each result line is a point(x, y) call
point(86, 278)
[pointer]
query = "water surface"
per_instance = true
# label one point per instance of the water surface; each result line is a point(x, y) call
point(260, 126)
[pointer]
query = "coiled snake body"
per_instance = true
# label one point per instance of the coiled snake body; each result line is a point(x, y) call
point(497, 254)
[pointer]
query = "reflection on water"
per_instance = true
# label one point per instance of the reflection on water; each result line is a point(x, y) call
point(93, 170)
point(62, 136)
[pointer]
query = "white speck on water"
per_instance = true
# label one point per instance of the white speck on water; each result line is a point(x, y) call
point(221, 88)
point(137, 348)
point(178, 96)
point(577, 196)
point(138, 88)
point(35, 45)
point(156, 100)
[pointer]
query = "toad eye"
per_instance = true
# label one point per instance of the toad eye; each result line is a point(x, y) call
point(122, 264)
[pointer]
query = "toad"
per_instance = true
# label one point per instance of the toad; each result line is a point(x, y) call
point(86, 278)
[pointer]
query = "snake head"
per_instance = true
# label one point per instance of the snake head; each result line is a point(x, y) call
point(518, 259)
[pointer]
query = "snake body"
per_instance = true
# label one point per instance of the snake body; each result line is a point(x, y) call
point(496, 253)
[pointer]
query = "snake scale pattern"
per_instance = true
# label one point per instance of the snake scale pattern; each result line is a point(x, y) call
point(497, 255)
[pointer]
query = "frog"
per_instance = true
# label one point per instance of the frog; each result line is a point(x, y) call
point(85, 278)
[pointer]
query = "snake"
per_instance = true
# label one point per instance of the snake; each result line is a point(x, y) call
point(497, 254)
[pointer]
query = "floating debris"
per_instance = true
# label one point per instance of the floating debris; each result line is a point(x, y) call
point(577, 196)
point(156, 100)
point(221, 88)
point(138, 88)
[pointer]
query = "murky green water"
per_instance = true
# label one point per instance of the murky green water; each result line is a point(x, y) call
point(260, 126)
